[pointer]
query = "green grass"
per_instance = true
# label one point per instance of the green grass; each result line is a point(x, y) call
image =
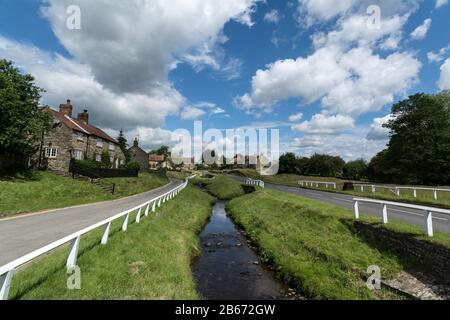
point(150, 261)
point(315, 246)
point(180, 175)
point(222, 187)
point(45, 190)
point(423, 197)
point(145, 182)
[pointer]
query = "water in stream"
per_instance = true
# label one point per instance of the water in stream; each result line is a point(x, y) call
point(228, 269)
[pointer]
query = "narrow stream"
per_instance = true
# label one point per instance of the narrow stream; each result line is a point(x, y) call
point(228, 269)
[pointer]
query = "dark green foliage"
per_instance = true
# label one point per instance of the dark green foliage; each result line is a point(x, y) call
point(106, 161)
point(133, 165)
point(22, 121)
point(318, 165)
point(355, 170)
point(124, 145)
point(419, 148)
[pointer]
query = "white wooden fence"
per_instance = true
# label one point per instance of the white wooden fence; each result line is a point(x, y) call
point(7, 271)
point(317, 184)
point(397, 189)
point(428, 222)
point(254, 182)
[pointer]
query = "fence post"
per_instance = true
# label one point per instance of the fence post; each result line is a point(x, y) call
point(106, 233)
point(373, 189)
point(385, 214)
point(362, 188)
point(154, 206)
point(114, 188)
point(356, 210)
point(147, 209)
point(397, 191)
point(125, 222)
point(429, 223)
point(159, 202)
point(435, 195)
point(72, 259)
point(5, 283)
point(415, 193)
point(138, 215)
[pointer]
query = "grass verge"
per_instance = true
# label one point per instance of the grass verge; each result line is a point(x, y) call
point(315, 246)
point(150, 261)
point(45, 190)
point(222, 187)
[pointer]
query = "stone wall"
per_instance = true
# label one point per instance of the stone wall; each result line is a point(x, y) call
point(431, 257)
point(59, 137)
point(93, 150)
point(140, 156)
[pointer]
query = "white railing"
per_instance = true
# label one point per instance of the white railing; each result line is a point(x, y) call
point(317, 184)
point(7, 271)
point(254, 182)
point(397, 190)
point(428, 211)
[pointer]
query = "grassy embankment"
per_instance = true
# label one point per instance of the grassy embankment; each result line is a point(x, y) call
point(222, 187)
point(423, 197)
point(315, 246)
point(150, 261)
point(45, 190)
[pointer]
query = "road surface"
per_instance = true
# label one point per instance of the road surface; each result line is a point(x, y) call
point(441, 222)
point(21, 235)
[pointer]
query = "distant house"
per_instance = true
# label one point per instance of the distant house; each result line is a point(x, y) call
point(75, 138)
point(139, 155)
point(187, 164)
point(156, 161)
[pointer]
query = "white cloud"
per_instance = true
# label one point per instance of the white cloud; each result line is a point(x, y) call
point(296, 117)
point(438, 56)
point(421, 31)
point(131, 45)
point(191, 113)
point(377, 131)
point(444, 79)
point(324, 125)
point(349, 83)
point(440, 3)
point(272, 16)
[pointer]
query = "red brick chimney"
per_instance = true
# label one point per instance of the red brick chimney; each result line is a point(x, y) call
point(84, 116)
point(66, 108)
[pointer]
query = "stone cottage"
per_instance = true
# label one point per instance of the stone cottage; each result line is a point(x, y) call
point(75, 138)
point(139, 155)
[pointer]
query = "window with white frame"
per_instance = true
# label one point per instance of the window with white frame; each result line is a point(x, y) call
point(99, 143)
point(77, 154)
point(111, 146)
point(98, 157)
point(51, 152)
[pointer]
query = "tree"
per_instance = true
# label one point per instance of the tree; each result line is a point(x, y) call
point(325, 165)
point(419, 148)
point(106, 160)
point(288, 163)
point(22, 121)
point(124, 146)
point(355, 170)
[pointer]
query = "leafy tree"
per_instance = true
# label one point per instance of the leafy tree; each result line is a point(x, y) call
point(133, 165)
point(419, 148)
point(325, 165)
point(106, 161)
point(355, 170)
point(22, 122)
point(288, 163)
point(124, 146)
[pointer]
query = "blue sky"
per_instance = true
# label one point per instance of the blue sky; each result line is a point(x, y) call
point(157, 68)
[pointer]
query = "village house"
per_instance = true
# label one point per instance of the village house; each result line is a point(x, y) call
point(75, 138)
point(138, 155)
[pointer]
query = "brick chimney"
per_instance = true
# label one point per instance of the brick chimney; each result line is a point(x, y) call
point(66, 108)
point(84, 116)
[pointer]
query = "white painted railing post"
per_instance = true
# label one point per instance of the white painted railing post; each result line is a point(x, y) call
point(435, 195)
point(397, 191)
point(373, 189)
point(154, 206)
point(72, 259)
point(159, 202)
point(362, 188)
point(138, 215)
point(356, 210)
point(106, 233)
point(147, 209)
point(415, 193)
point(429, 223)
point(125, 222)
point(385, 214)
point(5, 284)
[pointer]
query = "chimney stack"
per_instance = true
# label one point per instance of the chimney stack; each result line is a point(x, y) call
point(136, 142)
point(66, 108)
point(84, 116)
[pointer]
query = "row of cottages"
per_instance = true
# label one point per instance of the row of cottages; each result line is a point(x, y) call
point(75, 138)
point(147, 161)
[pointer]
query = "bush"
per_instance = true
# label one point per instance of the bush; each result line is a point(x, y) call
point(133, 165)
point(88, 164)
